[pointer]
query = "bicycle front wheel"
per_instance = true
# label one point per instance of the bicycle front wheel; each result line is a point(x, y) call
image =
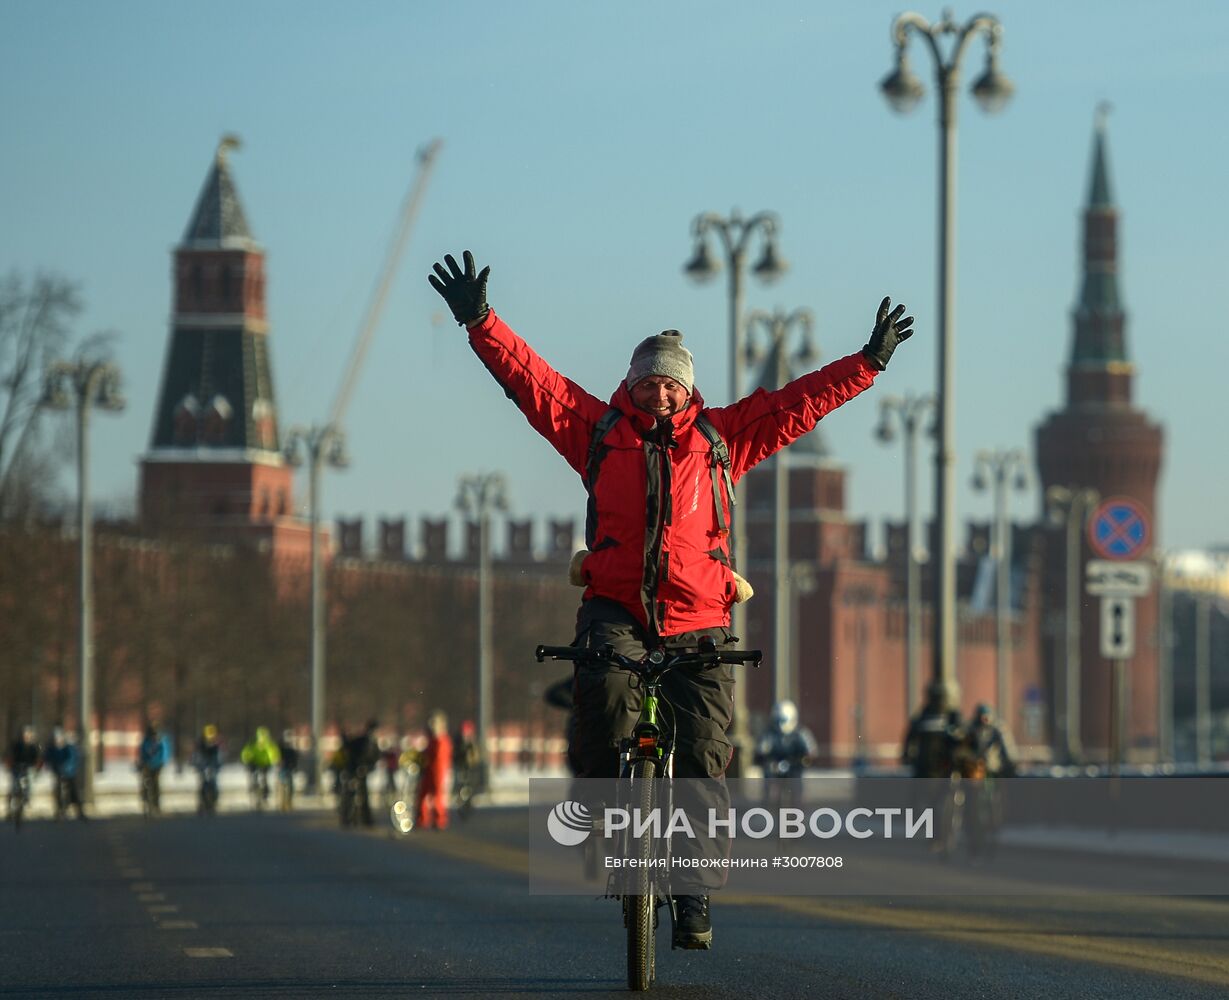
point(640, 905)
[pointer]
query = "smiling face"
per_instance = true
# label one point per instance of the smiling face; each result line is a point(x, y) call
point(660, 396)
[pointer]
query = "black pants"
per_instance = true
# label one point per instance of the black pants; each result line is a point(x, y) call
point(607, 700)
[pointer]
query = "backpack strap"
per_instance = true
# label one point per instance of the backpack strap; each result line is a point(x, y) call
point(593, 463)
point(718, 457)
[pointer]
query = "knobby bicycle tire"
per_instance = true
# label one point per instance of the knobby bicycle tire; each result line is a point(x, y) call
point(640, 904)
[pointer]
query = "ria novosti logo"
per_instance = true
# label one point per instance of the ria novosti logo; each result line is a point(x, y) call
point(569, 824)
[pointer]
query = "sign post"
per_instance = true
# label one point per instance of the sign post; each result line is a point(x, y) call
point(1118, 532)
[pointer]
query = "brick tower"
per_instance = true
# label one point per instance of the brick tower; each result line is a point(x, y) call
point(1100, 439)
point(214, 459)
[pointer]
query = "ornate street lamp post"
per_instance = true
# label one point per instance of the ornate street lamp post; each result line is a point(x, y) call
point(908, 410)
point(84, 384)
point(1070, 506)
point(768, 337)
point(1001, 468)
point(478, 497)
point(860, 597)
point(735, 235)
point(323, 445)
point(903, 91)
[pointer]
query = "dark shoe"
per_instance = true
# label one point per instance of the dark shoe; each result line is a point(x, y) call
point(692, 926)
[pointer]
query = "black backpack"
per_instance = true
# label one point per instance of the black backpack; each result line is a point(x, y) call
point(718, 458)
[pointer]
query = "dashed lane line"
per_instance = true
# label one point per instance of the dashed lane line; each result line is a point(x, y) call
point(158, 908)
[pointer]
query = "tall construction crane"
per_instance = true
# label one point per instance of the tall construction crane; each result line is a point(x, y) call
point(326, 444)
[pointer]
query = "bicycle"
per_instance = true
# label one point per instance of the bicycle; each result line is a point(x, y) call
point(352, 797)
point(19, 796)
point(207, 794)
point(980, 810)
point(149, 792)
point(465, 787)
point(646, 771)
point(258, 787)
point(285, 789)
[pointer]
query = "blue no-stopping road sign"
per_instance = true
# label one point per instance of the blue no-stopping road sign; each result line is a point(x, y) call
point(1119, 529)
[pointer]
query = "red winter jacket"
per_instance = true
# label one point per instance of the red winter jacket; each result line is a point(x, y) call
point(656, 548)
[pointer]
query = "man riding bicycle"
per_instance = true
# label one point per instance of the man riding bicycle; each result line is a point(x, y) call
point(63, 759)
point(658, 570)
point(984, 753)
point(259, 755)
point(207, 759)
point(153, 754)
point(24, 756)
point(361, 755)
point(784, 751)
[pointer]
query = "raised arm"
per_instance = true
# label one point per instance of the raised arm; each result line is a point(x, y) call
point(764, 422)
point(555, 406)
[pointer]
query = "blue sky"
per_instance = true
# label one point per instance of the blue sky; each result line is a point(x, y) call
point(579, 142)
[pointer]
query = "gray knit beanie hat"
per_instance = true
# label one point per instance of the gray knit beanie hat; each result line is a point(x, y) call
point(664, 355)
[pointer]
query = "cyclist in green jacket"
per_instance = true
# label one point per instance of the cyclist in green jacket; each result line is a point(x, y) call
point(259, 755)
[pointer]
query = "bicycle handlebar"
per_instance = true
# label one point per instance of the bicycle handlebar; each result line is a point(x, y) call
point(703, 658)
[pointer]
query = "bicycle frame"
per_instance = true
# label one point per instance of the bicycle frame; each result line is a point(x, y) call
point(648, 750)
point(19, 795)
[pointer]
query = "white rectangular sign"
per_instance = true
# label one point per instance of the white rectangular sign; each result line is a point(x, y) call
point(1117, 579)
point(1117, 627)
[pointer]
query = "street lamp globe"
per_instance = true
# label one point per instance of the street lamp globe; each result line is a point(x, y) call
point(902, 89)
point(701, 267)
point(110, 396)
point(992, 90)
point(807, 352)
point(770, 266)
point(55, 396)
point(338, 456)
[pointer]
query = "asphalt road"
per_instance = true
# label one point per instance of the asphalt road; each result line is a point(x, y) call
point(291, 906)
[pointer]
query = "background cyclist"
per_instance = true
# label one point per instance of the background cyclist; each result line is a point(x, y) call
point(153, 754)
point(24, 757)
point(63, 759)
point(784, 750)
point(259, 755)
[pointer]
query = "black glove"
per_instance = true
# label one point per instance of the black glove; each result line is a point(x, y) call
point(889, 331)
point(465, 292)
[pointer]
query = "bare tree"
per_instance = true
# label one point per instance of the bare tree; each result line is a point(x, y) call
point(34, 328)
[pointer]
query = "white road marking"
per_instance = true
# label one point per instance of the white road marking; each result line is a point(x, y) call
point(151, 897)
point(163, 908)
point(208, 953)
point(176, 925)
